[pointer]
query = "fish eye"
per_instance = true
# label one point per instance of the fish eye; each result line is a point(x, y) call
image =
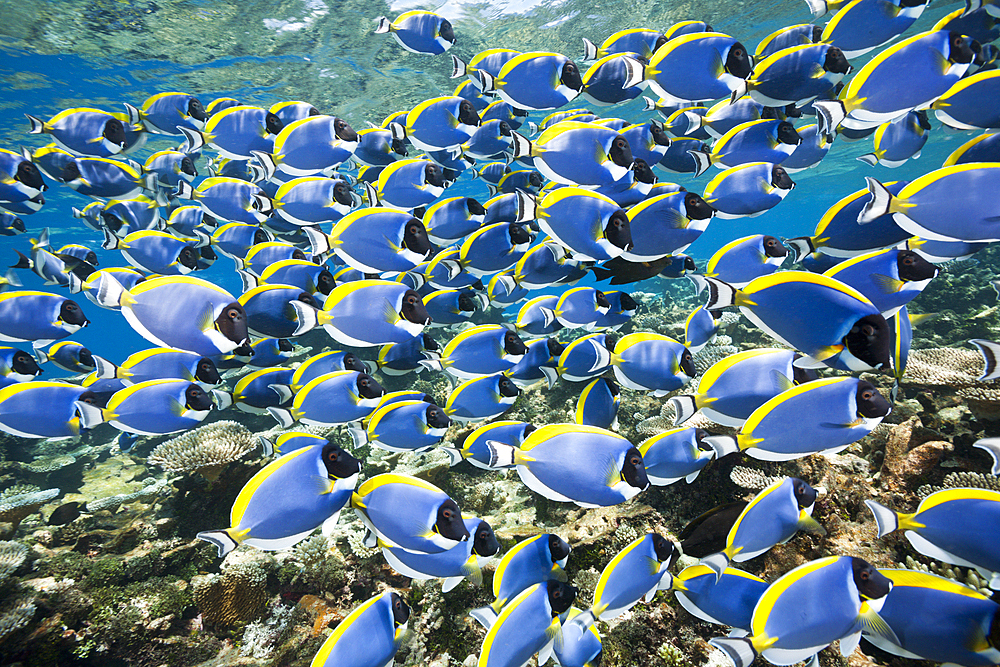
point(71, 307)
point(634, 461)
point(332, 456)
point(88, 400)
point(396, 604)
point(864, 575)
point(447, 514)
point(196, 392)
point(233, 314)
point(868, 330)
point(867, 395)
point(908, 261)
point(738, 52)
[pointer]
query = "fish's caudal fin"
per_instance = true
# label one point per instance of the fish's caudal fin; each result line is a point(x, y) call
point(739, 651)
point(306, 316)
point(266, 446)
point(527, 207)
point(502, 455)
point(111, 242)
point(90, 415)
point(585, 619)
point(589, 50)
point(384, 25)
point(992, 447)
point(720, 294)
point(886, 519)
point(702, 159)
point(831, 114)
point(868, 158)
point(694, 122)
point(282, 416)
point(359, 436)
point(880, 204)
point(685, 407)
point(184, 190)
point(801, 246)
point(372, 195)
point(267, 162)
point(23, 261)
point(636, 72)
point(717, 562)
point(485, 615)
point(742, 88)
point(521, 145)
point(37, 124)
point(990, 352)
point(105, 370)
point(817, 7)
point(319, 242)
point(283, 391)
point(458, 67)
point(722, 445)
point(454, 455)
point(222, 540)
point(970, 6)
point(249, 280)
point(194, 140)
point(487, 82)
point(110, 292)
point(134, 115)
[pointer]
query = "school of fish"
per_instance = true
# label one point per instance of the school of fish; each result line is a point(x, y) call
point(354, 232)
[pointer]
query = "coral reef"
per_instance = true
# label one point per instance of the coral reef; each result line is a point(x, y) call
point(205, 450)
point(12, 556)
point(15, 507)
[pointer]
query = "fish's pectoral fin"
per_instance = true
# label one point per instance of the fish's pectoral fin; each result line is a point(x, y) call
point(872, 624)
point(857, 422)
point(887, 284)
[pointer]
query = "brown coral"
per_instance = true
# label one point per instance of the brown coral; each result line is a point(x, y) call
point(206, 449)
point(944, 366)
point(236, 596)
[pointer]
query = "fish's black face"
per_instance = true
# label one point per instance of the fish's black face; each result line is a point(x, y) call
point(484, 542)
point(114, 131)
point(922, 119)
point(612, 387)
point(507, 389)
point(554, 346)
point(352, 363)
point(260, 236)
point(368, 387)
point(446, 31)
point(696, 207)
point(23, 363)
point(188, 256)
point(686, 363)
point(433, 175)
point(70, 313)
point(805, 495)
point(344, 131)
point(871, 583)
point(415, 238)
point(504, 128)
point(836, 61)
point(232, 323)
point(467, 113)
point(512, 343)
point(91, 398)
point(689, 264)
point(273, 124)
point(535, 179)
point(871, 403)
point(399, 147)
point(196, 110)
point(70, 172)
point(400, 610)
point(430, 344)
point(699, 439)
point(29, 174)
point(18, 225)
point(474, 207)
point(208, 255)
point(309, 299)
point(642, 172)
point(787, 134)
point(436, 418)
point(618, 231)
point(285, 345)
point(660, 137)
point(298, 254)
point(781, 180)
point(627, 302)
point(660, 41)
point(912, 266)
point(325, 282)
point(633, 470)
point(244, 350)
point(91, 258)
point(206, 371)
point(570, 76)
point(196, 398)
point(912, 3)
point(869, 341)
point(560, 595)
point(467, 302)
point(610, 340)
point(959, 49)
point(338, 463)
point(449, 522)
point(738, 61)
point(342, 194)
point(621, 152)
point(413, 308)
point(664, 549)
point(601, 299)
point(558, 548)
point(773, 247)
point(85, 357)
point(770, 113)
point(817, 33)
point(518, 235)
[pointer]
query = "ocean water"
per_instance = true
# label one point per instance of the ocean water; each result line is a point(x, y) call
point(100, 53)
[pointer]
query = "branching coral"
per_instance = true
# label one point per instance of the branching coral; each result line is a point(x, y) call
point(152, 487)
point(12, 555)
point(14, 508)
point(962, 480)
point(206, 449)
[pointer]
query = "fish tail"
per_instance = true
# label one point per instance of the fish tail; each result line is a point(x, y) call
point(266, 446)
point(740, 651)
point(992, 447)
point(990, 352)
point(23, 262)
point(702, 159)
point(636, 72)
point(720, 294)
point(880, 204)
point(91, 415)
point(694, 121)
point(590, 50)
point(37, 124)
point(458, 67)
point(282, 416)
point(685, 407)
point(111, 293)
point(522, 146)
point(717, 562)
point(268, 164)
point(888, 520)
point(106, 370)
point(487, 82)
point(134, 115)
point(224, 540)
point(802, 246)
point(307, 316)
point(359, 436)
point(384, 25)
point(184, 190)
point(454, 455)
point(111, 241)
point(830, 114)
point(319, 242)
point(193, 140)
point(503, 455)
point(722, 445)
point(970, 6)
point(486, 616)
point(871, 159)
point(817, 7)
point(742, 88)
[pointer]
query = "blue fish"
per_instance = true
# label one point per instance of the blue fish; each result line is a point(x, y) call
point(377, 147)
point(481, 398)
point(640, 41)
point(83, 131)
point(474, 449)
point(229, 199)
point(480, 351)
point(307, 276)
point(651, 362)
point(171, 167)
point(605, 235)
point(154, 407)
point(340, 397)
point(254, 393)
point(290, 441)
point(36, 409)
point(726, 600)
point(620, 312)
point(374, 240)
point(787, 37)
point(490, 61)
point(810, 151)
point(694, 67)
point(503, 290)
point(313, 200)
point(675, 454)
point(11, 225)
point(67, 355)
point(447, 307)
point(235, 132)
point(984, 148)
point(440, 123)
point(406, 426)
point(17, 366)
point(700, 329)
point(547, 264)
point(289, 111)
point(308, 146)
point(576, 153)
point(962, 108)
point(330, 361)
point(764, 140)
point(538, 363)
point(598, 404)
point(235, 239)
point(740, 261)
point(863, 25)
point(370, 635)
point(493, 248)
point(269, 311)
point(453, 218)
point(20, 179)
point(747, 190)
point(899, 140)
point(580, 647)
point(528, 624)
point(888, 278)
point(108, 179)
point(408, 184)
point(155, 252)
point(463, 561)
point(586, 357)
point(604, 81)
point(166, 113)
point(795, 75)
point(38, 317)
point(419, 32)
point(536, 81)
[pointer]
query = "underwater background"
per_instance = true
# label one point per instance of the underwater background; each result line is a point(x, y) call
point(125, 583)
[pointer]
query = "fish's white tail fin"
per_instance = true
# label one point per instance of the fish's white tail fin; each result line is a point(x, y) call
point(220, 538)
point(359, 436)
point(184, 190)
point(319, 242)
point(458, 67)
point(886, 519)
point(487, 82)
point(717, 562)
point(485, 615)
point(739, 651)
point(685, 407)
point(222, 399)
point(372, 194)
point(527, 207)
point(384, 25)
point(801, 246)
point(817, 7)
point(992, 447)
point(990, 352)
point(266, 446)
point(868, 158)
point(193, 140)
point(267, 163)
point(720, 294)
point(134, 115)
point(109, 291)
point(702, 160)
point(636, 72)
point(105, 370)
point(694, 122)
point(282, 416)
point(283, 391)
point(649, 104)
point(454, 455)
point(742, 88)
point(111, 242)
point(831, 114)
point(589, 50)
point(520, 144)
point(501, 455)
point(10, 278)
point(722, 445)
point(249, 280)
point(90, 415)
point(37, 124)
point(584, 619)
point(879, 204)
point(970, 6)
point(306, 316)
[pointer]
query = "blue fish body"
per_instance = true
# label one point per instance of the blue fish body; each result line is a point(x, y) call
point(293, 440)
point(962, 106)
point(323, 363)
point(537, 81)
point(307, 276)
point(592, 226)
point(36, 409)
point(452, 219)
point(787, 37)
point(693, 67)
point(166, 113)
point(236, 238)
point(467, 90)
point(488, 140)
point(984, 148)
point(71, 357)
point(492, 172)
point(253, 393)
point(446, 306)
point(728, 601)
point(501, 110)
point(575, 153)
point(289, 111)
point(585, 358)
point(504, 291)
point(542, 353)
point(313, 200)
point(374, 240)
point(233, 200)
point(877, 275)
point(619, 313)
point(580, 307)
point(660, 225)
point(740, 261)
point(155, 407)
point(747, 189)
point(797, 74)
point(377, 148)
point(38, 316)
point(727, 114)
point(157, 252)
point(581, 647)
point(83, 131)
point(545, 265)
point(939, 252)
point(490, 61)
point(368, 637)
point(528, 180)
point(420, 32)
point(700, 329)
point(493, 248)
point(444, 271)
point(184, 220)
point(334, 398)
point(525, 626)
point(269, 311)
point(406, 426)
point(171, 167)
point(603, 83)
point(405, 357)
point(598, 404)
point(481, 398)
point(404, 184)
point(647, 141)
point(639, 41)
point(268, 352)
point(441, 123)
point(475, 451)
point(810, 152)
point(636, 572)
point(863, 25)
point(756, 141)
point(651, 362)
point(238, 131)
point(675, 454)
point(899, 140)
point(106, 178)
point(366, 313)
point(501, 208)
point(311, 145)
point(678, 158)
point(453, 565)
point(480, 351)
